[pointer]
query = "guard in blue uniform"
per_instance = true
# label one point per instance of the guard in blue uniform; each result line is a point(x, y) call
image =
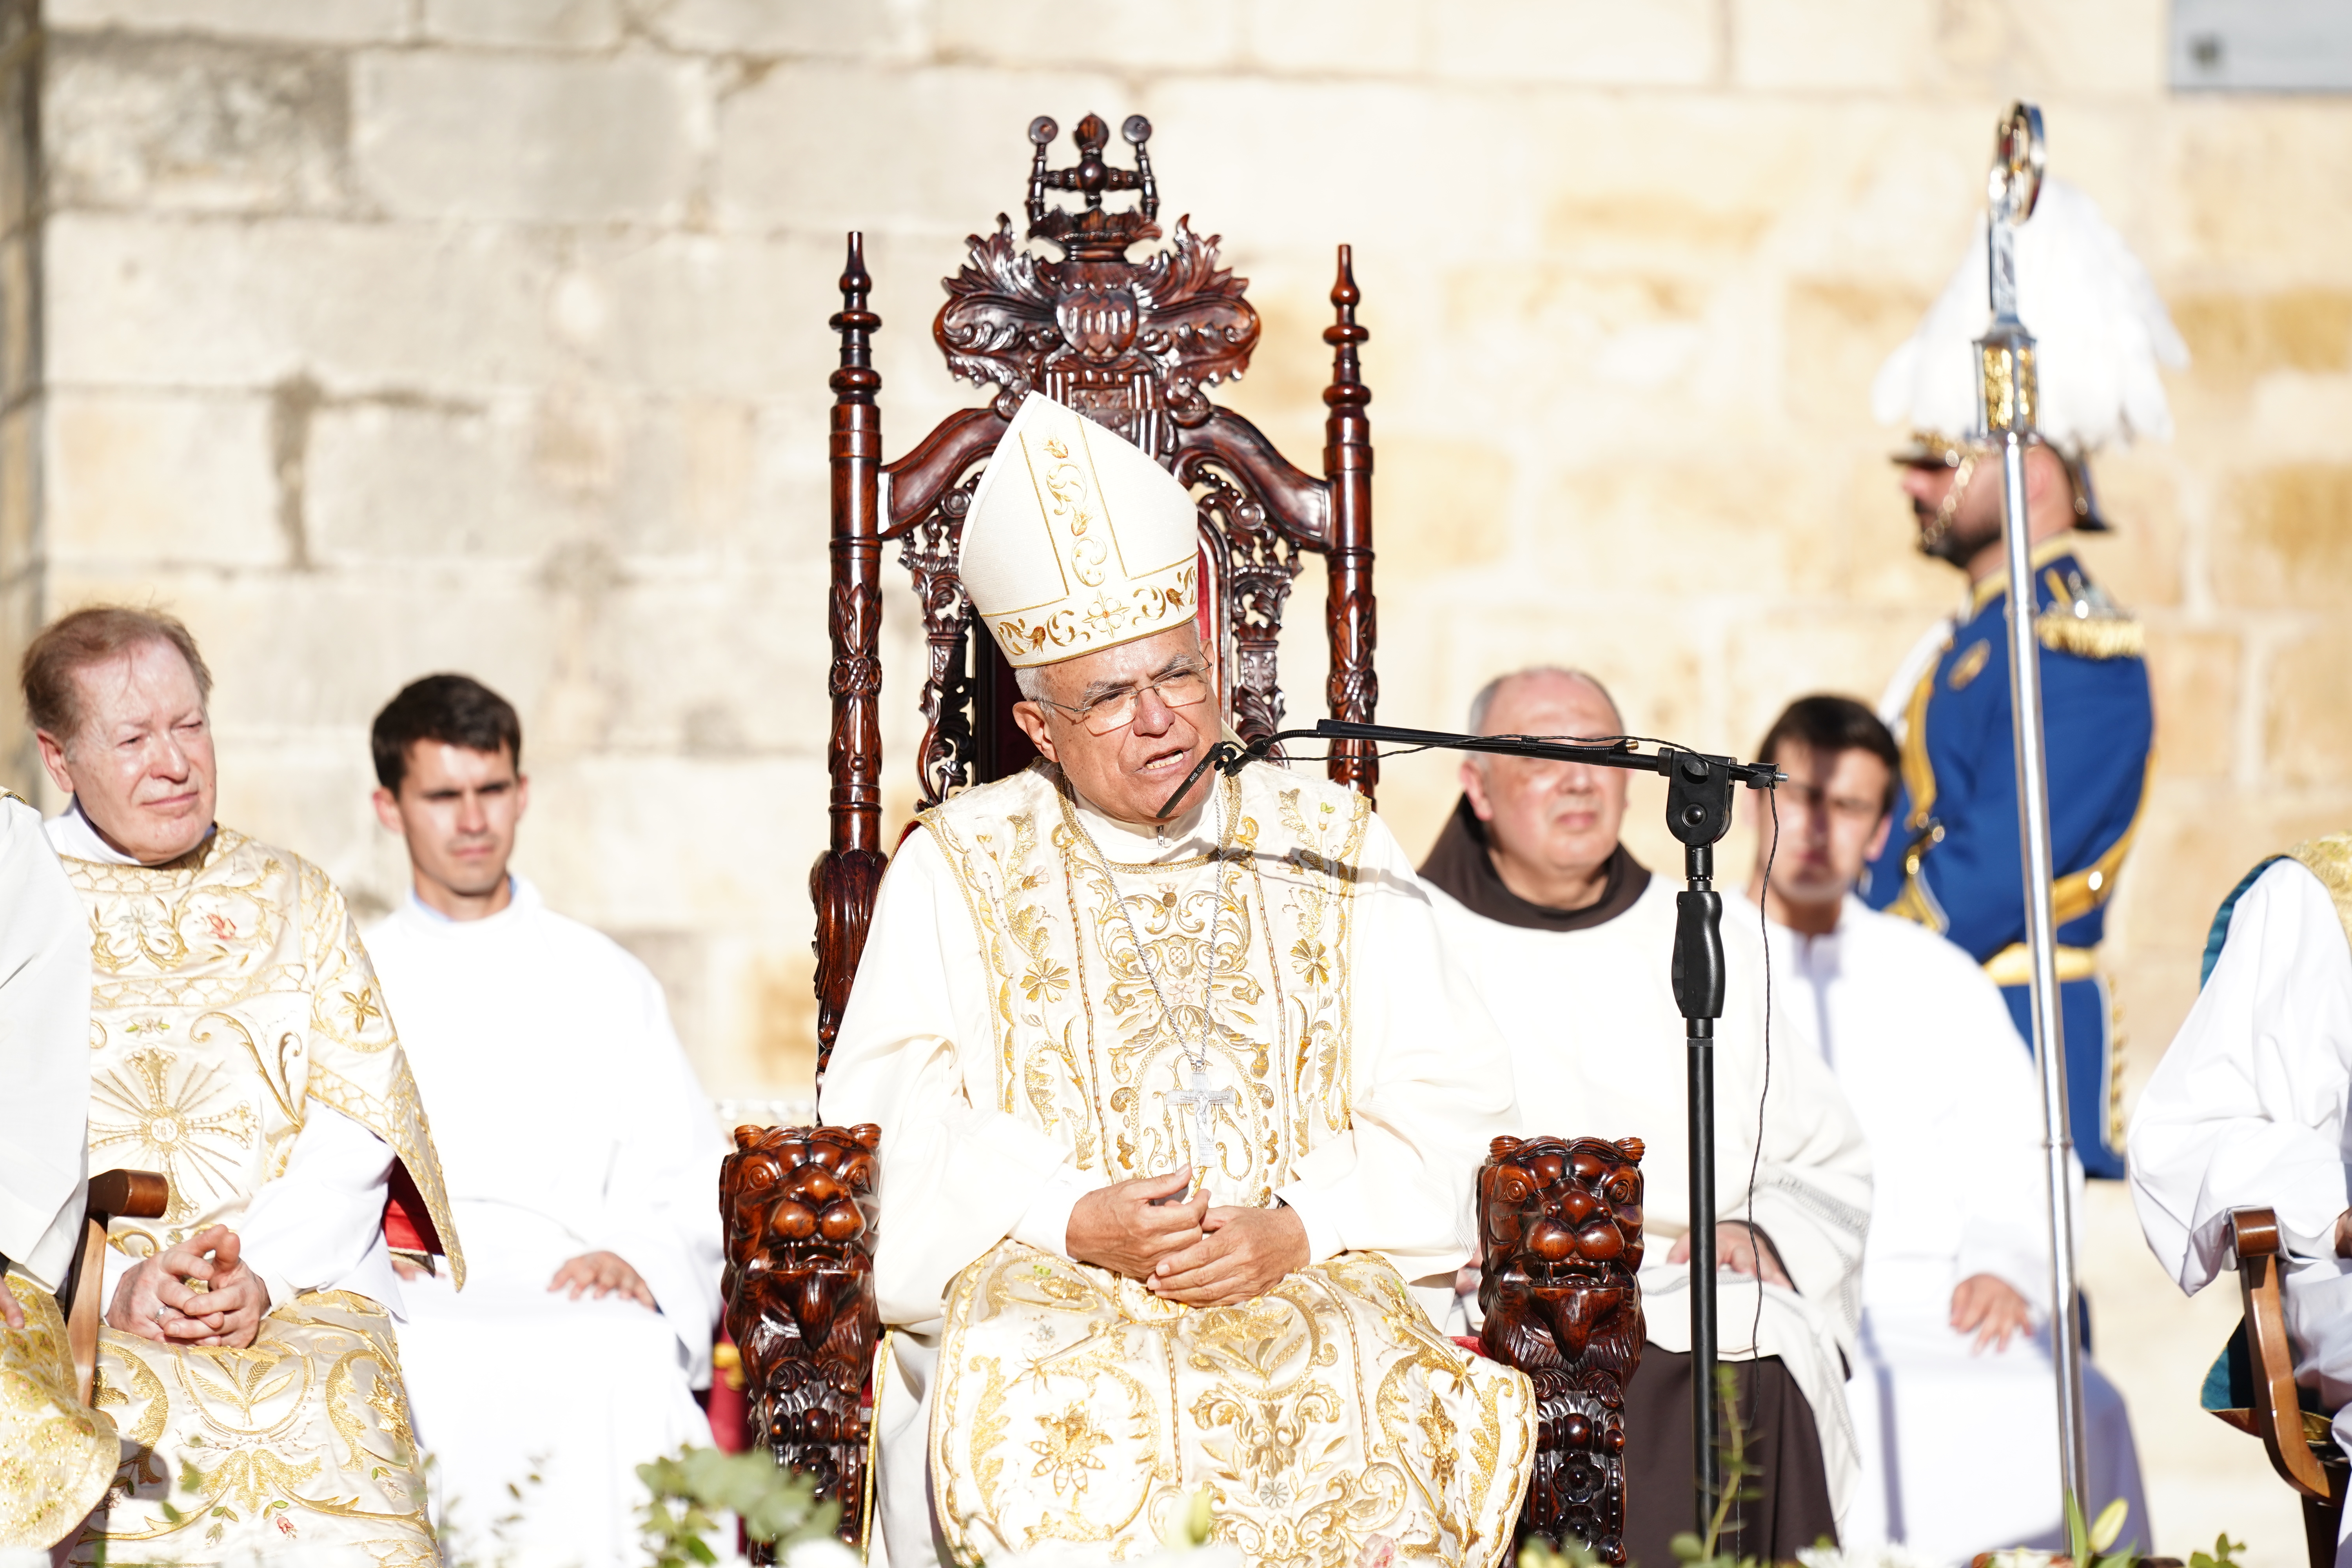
point(1953, 862)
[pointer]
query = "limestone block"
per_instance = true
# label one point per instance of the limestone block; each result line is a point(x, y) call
point(182, 302)
point(1439, 505)
point(446, 135)
point(395, 481)
point(19, 86)
point(763, 1037)
point(2199, 837)
point(1388, 37)
point(2112, 48)
point(2258, 188)
point(298, 651)
point(1669, 43)
point(2235, 337)
point(1026, 33)
point(164, 124)
point(787, 27)
point(559, 24)
point(19, 309)
point(311, 21)
point(2197, 676)
point(20, 430)
point(801, 147)
point(1865, 45)
point(2307, 724)
point(307, 794)
point(2296, 417)
point(1842, 649)
point(2280, 538)
point(711, 844)
point(142, 477)
point(732, 316)
point(743, 661)
point(2143, 562)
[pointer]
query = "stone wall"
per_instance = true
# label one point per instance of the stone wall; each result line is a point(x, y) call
point(386, 336)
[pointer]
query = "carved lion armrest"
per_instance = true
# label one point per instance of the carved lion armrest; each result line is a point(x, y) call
point(1559, 1223)
point(799, 1208)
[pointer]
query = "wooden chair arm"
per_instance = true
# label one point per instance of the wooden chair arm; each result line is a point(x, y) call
point(129, 1194)
point(2276, 1408)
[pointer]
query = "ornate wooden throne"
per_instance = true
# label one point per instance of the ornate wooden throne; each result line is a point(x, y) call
point(1135, 345)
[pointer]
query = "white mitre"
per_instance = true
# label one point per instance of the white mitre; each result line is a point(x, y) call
point(2098, 327)
point(1076, 541)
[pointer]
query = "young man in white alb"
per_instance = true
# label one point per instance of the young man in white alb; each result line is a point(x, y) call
point(580, 1150)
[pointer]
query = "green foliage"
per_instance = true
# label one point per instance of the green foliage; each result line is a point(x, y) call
point(1539, 1552)
point(693, 1487)
point(2223, 1555)
point(2086, 1544)
point(1738, 1472)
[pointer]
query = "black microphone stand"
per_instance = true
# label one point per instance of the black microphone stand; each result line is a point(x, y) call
point(1698, 814)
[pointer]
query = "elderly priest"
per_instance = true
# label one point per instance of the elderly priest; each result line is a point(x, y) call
point(1174, 1112)
point(238, 1045)
point(1568, 939)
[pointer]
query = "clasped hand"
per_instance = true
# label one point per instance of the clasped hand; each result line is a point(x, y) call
point(1183, 1249)
point(158, 1299)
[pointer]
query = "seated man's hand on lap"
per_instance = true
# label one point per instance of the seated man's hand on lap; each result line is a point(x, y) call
point(606, 1274)
point(1242, 1253)
point(1129, 1228)
point(1990, 1307)
point(1737, 1248)
point(156, 1300)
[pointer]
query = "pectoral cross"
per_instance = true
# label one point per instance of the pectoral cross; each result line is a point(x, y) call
point(1201, 1101)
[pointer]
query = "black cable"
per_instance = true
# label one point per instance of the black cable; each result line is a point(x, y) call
point(1756, 1156)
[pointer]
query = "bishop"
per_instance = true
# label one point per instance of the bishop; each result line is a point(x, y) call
point(1180, 1114)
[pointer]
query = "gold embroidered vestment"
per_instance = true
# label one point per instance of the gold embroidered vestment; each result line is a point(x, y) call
point(1072, 1405)
point(231, 994)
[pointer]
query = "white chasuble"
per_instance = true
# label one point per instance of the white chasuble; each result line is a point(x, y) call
point(232, 1003)
point(1006, 1033)
point(56, 1454)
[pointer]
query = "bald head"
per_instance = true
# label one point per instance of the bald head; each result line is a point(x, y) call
point(1526, 701)
point(1550, 827)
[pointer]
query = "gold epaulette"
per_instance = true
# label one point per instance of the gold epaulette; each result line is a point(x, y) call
point(2092, 636)
point(7, 793)
point(2085, 621)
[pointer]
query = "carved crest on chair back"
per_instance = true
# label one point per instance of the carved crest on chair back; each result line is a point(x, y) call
point(1135, 343)
point(1560, 1223)
point(1129, 345)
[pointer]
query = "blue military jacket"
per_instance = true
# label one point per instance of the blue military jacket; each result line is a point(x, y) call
point(1952, 862)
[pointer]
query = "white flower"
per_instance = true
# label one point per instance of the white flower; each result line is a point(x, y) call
point(1890, 1556)
point(824, 1552)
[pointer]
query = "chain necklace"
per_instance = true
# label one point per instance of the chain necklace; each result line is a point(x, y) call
point(1198, 1098)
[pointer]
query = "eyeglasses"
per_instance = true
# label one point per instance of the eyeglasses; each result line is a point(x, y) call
point(1185, 688)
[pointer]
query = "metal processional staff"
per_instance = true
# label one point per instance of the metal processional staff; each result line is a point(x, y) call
point(2006, 395)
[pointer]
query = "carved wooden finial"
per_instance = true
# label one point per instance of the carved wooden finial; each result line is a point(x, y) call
point(856, 380)
point(1343, 335)
point(1093, 232)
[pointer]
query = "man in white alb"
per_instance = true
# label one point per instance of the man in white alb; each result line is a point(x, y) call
point(56, 1454)
point(1569, 942)
point(1955, 1377)
point(2249, 1109)
point(581, 1156)
point(1176, 1109)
